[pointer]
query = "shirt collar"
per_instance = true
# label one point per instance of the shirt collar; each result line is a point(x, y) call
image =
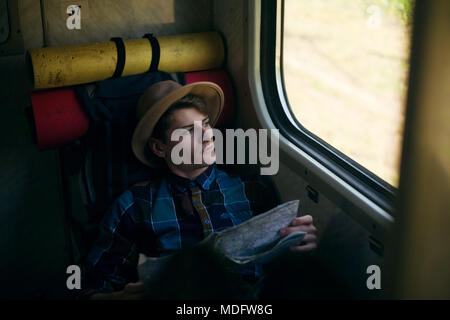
point(204, 180)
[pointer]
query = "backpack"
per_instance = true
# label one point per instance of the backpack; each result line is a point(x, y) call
point(102, 160)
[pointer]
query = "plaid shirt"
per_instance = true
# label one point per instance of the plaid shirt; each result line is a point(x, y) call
point(160, 219)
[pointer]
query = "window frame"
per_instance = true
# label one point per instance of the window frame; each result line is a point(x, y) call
point(348, 183)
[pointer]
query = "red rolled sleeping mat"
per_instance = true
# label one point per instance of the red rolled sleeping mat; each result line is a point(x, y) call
point(221, 78)
point(60, 118)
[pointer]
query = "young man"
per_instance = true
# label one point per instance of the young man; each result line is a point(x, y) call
point(190, 201)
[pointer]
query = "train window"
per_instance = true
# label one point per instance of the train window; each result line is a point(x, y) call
point(345, 67)
point(331, 76)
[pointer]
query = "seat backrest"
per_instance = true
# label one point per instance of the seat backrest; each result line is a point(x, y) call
point(102, 159)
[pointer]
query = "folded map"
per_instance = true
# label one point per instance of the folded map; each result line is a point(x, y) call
point(256, 240)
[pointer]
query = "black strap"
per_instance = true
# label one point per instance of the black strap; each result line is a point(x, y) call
point(120, 56)
point(155, 51)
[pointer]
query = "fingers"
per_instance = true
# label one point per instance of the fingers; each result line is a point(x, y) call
point(133, 291)
point(308, 243)
point(304, 248)
point(302, 220)
point(305, 224)
point(310, 237)
point(135, 287)
point(305, 228)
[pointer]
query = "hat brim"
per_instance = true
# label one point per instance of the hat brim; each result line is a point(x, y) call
point(212, 95)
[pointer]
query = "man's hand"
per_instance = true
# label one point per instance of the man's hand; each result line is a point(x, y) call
point(305, 224)
point(132, 291)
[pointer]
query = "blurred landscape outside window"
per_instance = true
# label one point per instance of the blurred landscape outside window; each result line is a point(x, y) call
point(345, 69)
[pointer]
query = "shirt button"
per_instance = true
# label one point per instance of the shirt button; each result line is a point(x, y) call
point(206, 221)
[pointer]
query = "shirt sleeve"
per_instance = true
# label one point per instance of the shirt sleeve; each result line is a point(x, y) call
point(261, 193)
point(108, 263)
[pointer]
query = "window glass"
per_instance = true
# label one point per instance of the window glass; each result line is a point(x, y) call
point(345, 69)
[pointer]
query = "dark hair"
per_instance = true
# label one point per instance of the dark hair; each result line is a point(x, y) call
point(163, 124)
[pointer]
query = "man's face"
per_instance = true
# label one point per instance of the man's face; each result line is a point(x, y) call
point(200, 144)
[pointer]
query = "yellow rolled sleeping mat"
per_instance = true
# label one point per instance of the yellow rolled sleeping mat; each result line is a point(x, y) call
point(76, 64)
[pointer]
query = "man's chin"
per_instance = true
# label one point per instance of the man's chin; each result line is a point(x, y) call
point(195, 166)
point(203, 164)
point(207, 160)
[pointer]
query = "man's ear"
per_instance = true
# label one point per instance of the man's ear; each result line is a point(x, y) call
point(157, 147)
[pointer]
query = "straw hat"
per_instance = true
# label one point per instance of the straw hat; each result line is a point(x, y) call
point(158, 98)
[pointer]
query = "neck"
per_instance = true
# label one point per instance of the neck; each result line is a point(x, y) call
point(189, 174)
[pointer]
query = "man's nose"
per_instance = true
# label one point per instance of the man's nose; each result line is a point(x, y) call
point(198, 127)
point(207, 134)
